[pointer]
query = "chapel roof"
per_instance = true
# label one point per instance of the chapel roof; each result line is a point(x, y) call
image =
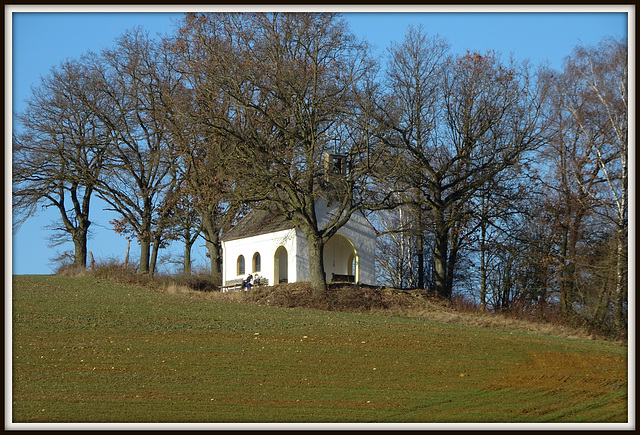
point(257, 222)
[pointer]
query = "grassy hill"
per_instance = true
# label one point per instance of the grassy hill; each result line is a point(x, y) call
point(90, 350)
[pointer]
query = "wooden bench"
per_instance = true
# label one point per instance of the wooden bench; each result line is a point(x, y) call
point(261, 281)
point(336, 277)
point(236, 284)
point(233, 284)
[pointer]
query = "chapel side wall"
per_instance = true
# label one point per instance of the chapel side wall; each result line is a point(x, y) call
point(266, 245)
point(302, 257)
point(247, 248)
point(366, 254)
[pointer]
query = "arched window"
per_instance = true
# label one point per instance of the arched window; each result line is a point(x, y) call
point(256, 262)
point(240, 265)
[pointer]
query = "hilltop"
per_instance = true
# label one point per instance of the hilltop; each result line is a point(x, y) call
point(378, 300)
point(386, 301)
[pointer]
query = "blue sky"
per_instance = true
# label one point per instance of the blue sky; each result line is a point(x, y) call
point(42, 37)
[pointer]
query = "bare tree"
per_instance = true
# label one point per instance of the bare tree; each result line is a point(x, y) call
point(457, 123)
point(592, 94)
point(414, 80)
point(568, 167)
point(205, 151)
point(58, 153)
point(183, 222)
point(396, 246)
point(290, 79)
point(134, 79)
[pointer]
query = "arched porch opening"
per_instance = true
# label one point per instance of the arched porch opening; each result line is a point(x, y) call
point(341, 262)
point(281, 265)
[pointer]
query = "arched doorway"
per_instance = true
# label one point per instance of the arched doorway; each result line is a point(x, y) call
point(341, 260)
point(281, 266)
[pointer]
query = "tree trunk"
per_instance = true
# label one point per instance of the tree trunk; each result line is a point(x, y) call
point(420, 253)
point(79, 237)
point(571, 237)
point(420, 258)
point(620, 319)
point(483, 266)
point(211, 234)
point(79, 231)
point(215, 255)
point(562, 273)
point(145, 238)
point(126, 257)
point(145, 255)
point(187, 258)
point(440, 255)
point(316, 265)
point(451, 263)
point(215, 252)
point(154, 256)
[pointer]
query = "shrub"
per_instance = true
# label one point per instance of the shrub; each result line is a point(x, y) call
point(293, 295)
point(116, 271)
point(65, 267)
point(71, 270)
point(341, 297)
point(197, 283)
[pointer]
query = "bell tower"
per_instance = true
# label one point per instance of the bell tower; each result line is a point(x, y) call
point(335, 166)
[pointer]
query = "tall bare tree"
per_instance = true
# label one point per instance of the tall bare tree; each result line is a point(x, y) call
point(58, 153)
point(400, 256)
point(183, 221)
point(593, 145)
point(290, 79)
point(414, 80)
point(134, 80)
point(199, 112)
point(457, 122)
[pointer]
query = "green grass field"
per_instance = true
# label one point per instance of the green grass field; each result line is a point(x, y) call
point(85, 350)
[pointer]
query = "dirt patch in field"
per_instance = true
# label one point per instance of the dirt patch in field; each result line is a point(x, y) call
point(562, 371)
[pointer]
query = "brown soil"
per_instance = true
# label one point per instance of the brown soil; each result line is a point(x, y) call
point(580, 373)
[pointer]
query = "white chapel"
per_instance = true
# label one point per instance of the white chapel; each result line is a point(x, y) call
point(270, 246)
